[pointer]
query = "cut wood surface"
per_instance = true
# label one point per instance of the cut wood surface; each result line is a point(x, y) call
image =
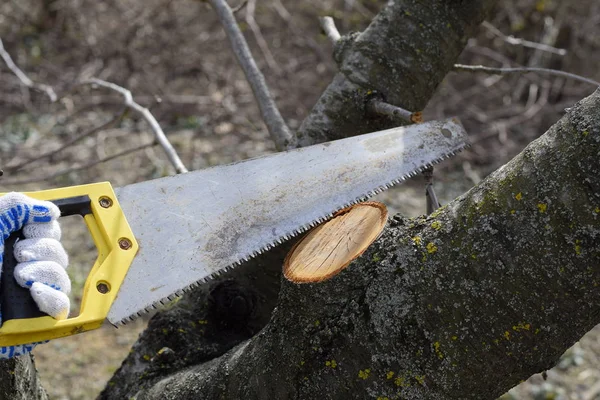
point(330, 247)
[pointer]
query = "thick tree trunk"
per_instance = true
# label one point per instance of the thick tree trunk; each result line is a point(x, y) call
point(436, 32)
point(323, 340)
point(19, 380)
point(462, 304)
point(402, 56)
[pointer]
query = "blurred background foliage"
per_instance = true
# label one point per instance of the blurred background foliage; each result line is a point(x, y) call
point(174, 57)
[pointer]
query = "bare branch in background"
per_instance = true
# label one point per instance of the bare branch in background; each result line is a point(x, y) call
point(147, 115)
point(239, 8)
point(380, 107)
point(129, 102)
point(298, 32)
point(279, 131)
point(24, 78)
point(522, 42)
point(523, 70)
point(328, 25)
point(282, 11)
point(79, 168)
point(262, 43)
point(76, 139)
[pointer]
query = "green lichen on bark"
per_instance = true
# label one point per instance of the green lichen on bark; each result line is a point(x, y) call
point(492, 285)
point(202, 325)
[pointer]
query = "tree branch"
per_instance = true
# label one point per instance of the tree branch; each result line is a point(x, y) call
point(328, 26)
point(404, 54)
point(79, 168)
point(264, 47)
point(71, 142)
point(24, 78)
point(522, 42)
point(129, 102)
point(279, 131)
point(379, 107)
point(239, 7)
point(439, 307)
point(19, 380)
point(161, 138)
point(523, 70)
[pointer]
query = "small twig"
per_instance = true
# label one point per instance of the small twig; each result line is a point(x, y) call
point(379, 107)
point(24, 78)
point(239, 7)
point(70, 143)
point(432, 200)
point(80, 168)
point(522, 42)
point(282, 11)
point(523, 70)
point(328, 26)
point(279, 131)
point(262, 43)
point(147, 115)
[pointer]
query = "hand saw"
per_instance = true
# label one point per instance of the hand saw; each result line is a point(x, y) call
point(160, 238)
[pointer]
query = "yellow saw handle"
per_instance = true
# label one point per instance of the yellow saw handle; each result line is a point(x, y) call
point(116, 247)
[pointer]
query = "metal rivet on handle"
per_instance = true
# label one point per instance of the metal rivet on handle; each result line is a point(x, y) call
point(103, 287)
point(105, 202)
point(124, 243)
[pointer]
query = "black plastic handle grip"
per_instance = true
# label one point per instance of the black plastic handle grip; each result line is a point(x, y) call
point(16, 301)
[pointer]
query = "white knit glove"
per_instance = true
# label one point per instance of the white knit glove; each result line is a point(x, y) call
point(41, 258)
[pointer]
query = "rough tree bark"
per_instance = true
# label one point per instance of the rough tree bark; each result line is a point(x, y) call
point(19, 380)
point(402, 57)
point(462, 304)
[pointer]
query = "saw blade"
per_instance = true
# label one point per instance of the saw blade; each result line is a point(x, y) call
point(193, 227)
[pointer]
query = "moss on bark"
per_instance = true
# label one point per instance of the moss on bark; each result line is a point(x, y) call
point(462, 304)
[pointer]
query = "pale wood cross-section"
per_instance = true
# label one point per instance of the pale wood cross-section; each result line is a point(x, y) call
point(330, 247)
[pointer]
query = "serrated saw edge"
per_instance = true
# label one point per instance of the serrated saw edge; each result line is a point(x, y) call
point(283, 238)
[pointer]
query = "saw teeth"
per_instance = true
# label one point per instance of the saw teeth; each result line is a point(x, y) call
point(289, 236)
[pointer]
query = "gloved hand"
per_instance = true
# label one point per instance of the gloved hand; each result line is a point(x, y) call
point(41, 258)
